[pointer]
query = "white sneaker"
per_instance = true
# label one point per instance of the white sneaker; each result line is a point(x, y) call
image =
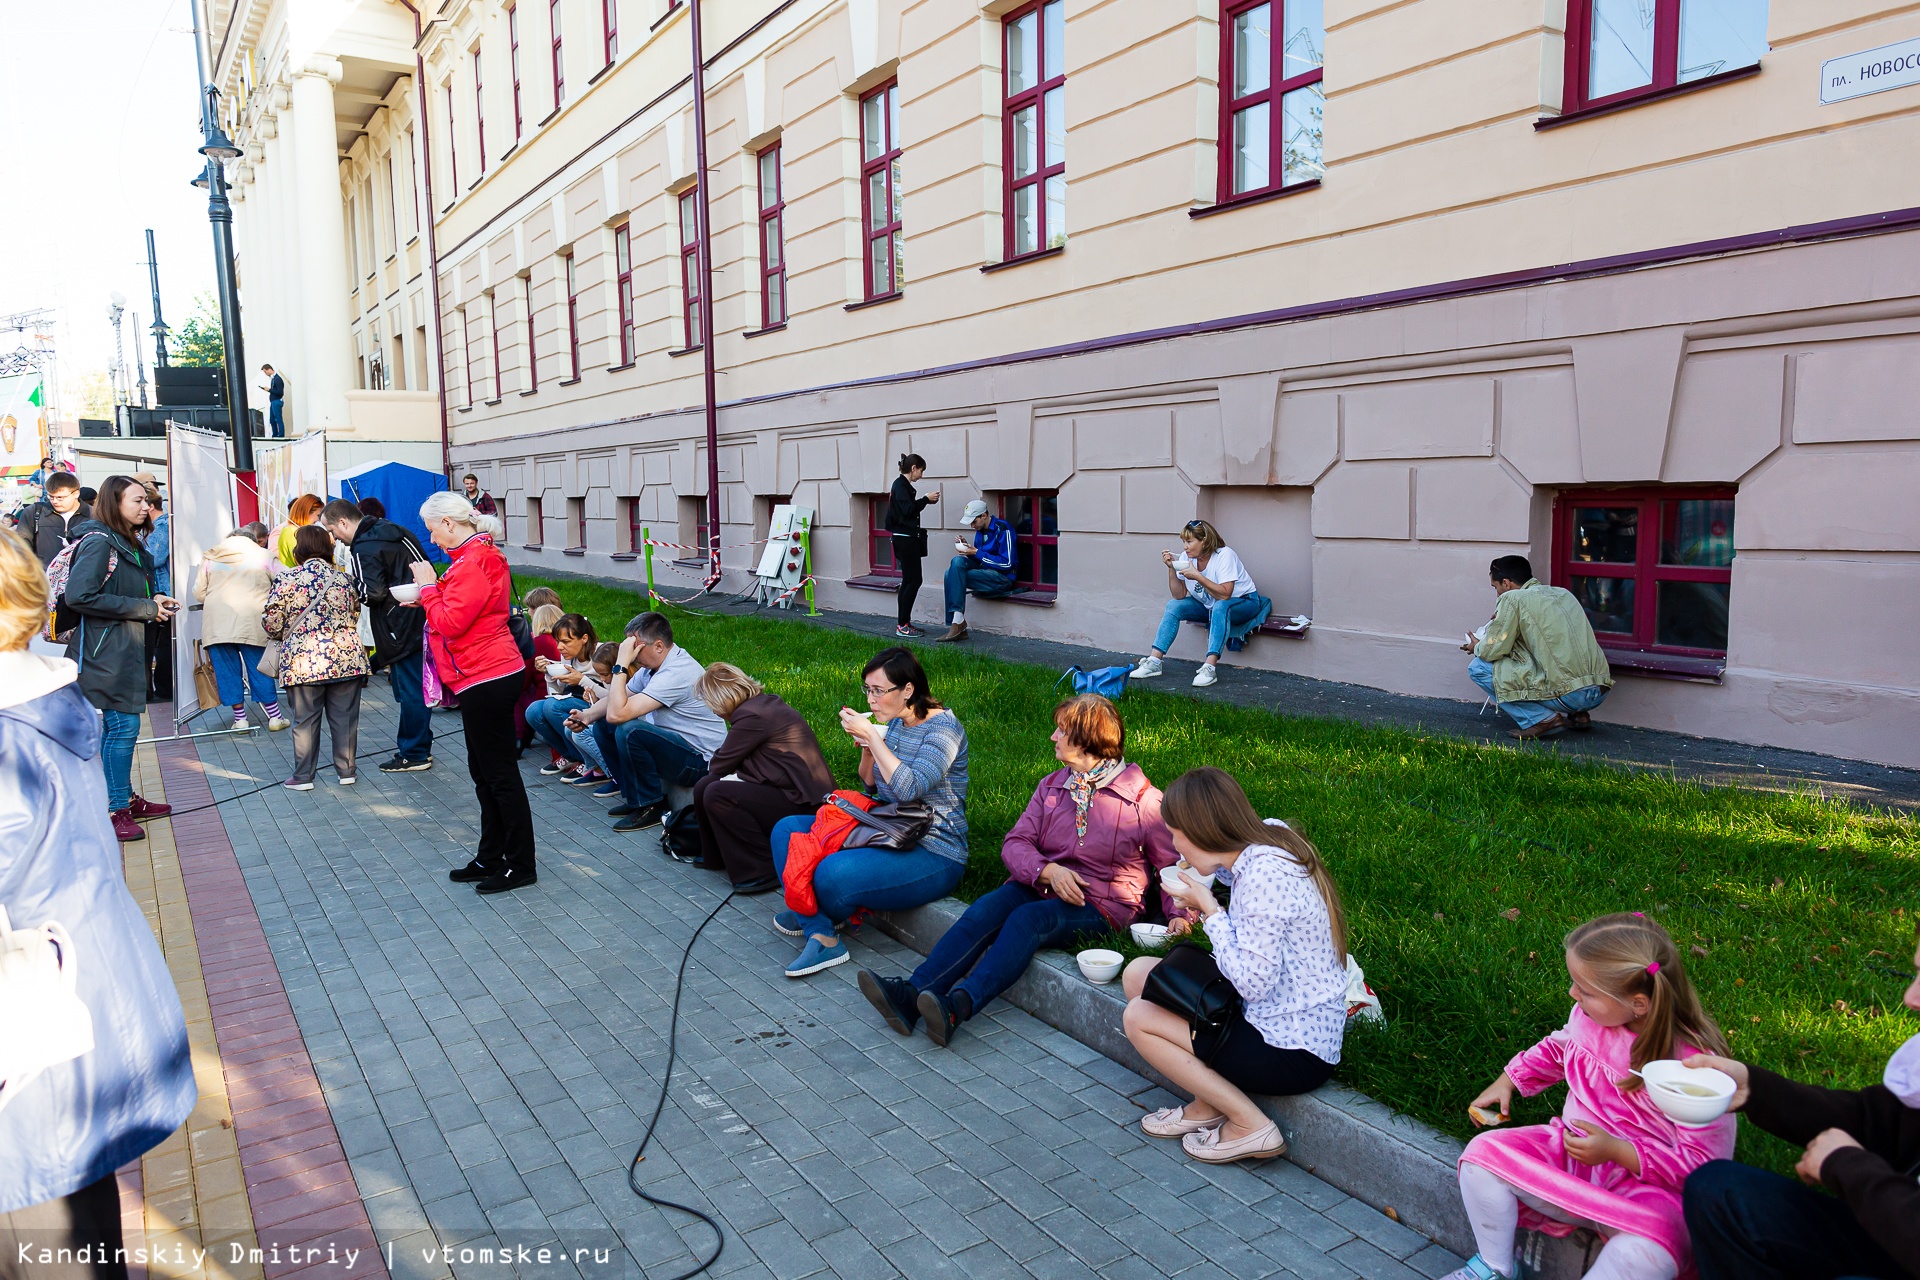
point(1206, 675)
point(278, 723)
point(291, 785)
point(1146, 668)
point(347, 782)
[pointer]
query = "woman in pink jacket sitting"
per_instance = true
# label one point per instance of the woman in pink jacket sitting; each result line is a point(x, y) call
point(1078, 862)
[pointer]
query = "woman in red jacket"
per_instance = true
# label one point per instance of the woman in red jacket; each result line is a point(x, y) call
point(476, 656)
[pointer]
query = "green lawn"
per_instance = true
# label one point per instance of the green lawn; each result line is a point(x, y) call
point(1800, 905)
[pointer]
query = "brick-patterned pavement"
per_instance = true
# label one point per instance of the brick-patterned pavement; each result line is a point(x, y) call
point(488, 1065)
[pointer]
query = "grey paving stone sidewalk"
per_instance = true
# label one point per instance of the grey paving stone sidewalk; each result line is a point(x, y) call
point(491, 1064)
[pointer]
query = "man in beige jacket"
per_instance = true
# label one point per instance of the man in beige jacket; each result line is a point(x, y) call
point(1538, 659)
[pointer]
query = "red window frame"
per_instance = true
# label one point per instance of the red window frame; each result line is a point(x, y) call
point(623, 289)
point(689, 214)
point(1665, 71)
point(610, 29)
point(493, 325)
point(773, 240)
point(536, 523)
point(533, 358)
point(479, 110)
point(573, 315)
point(880, 166)
point(513, 65)
point(1277, 86)
point(559, 62)
point(579, 506)
point(1657, 520)
point(1043, 94)
point(636, 540)
point(453, 141)
point(1029, 548)
point(880, 561)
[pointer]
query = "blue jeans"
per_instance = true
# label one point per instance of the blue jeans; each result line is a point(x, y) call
point(548, 720)
point(989, 947)
point(276, 417)
point(236, 669)
point(118, 732)
point(1748, 1224)
point(1529, 714)
point(964, 575)
point(1220, 617)
point(646, 760)
point(415, 740)
point(878, 879)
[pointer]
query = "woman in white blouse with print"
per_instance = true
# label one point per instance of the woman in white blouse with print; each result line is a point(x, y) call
point(1208, 584)
point(1282, 944)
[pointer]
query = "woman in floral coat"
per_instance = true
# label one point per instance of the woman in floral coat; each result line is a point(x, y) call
point(315, 614)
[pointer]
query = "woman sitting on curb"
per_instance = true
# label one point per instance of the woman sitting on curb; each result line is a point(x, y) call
point(1078, 862)
point(768, 769)
point(566, 675)
point(911, 748)
point(1208, 584)
point(1282, 945)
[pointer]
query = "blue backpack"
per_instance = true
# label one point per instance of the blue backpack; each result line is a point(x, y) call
point(1108, 682)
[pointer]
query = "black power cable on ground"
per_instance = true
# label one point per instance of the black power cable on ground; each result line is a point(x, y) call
point(666, 1079)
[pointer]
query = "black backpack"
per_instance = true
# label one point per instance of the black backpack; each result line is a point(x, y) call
point(680, 836)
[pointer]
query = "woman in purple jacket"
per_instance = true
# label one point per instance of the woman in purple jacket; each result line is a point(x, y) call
point(1078, 861)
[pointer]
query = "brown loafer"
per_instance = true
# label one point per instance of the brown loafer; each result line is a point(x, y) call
point(1580, 721)
point(958, 631)
point(1555, 723)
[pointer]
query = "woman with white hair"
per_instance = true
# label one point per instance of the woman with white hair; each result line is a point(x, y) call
point(477, 657)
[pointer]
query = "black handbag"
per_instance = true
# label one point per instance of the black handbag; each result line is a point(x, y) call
point(1188, 982)
point(897, 826)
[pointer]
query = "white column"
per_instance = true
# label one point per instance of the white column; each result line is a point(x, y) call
point(325, 367)
point(289, 331)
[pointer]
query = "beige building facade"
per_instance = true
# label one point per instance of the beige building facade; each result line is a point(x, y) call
point(330, 220)
point(1383, 289)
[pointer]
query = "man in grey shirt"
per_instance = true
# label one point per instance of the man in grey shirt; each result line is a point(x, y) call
point(656, 733)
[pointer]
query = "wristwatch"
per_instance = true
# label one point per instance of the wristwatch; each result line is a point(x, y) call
point(619, 670)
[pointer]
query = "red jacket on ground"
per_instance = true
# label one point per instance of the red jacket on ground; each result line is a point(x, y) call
point(467, 609)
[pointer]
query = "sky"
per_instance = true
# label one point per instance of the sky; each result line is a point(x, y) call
point(100, 137)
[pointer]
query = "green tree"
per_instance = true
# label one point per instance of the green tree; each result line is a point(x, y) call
point(197, 343)
point(96, 395)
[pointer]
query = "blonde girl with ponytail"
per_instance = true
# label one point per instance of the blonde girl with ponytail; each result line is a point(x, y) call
point(1611, 1161)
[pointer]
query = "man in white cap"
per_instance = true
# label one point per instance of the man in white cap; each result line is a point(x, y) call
point(985, 568)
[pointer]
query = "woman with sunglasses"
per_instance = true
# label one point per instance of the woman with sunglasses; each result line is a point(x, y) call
point(911, 748)
point(1209, 585)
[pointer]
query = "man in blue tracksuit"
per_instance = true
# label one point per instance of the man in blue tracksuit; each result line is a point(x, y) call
point(985, 568)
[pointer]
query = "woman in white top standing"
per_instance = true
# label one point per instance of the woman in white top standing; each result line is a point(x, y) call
point(1282, 944)
point(1208, 584)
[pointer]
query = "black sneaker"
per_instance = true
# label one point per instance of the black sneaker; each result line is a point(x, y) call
point(471, 872)
point(909, 632)
point(647, 815)
point(400, 764)
point(552, 767)
point(506, 881)
point(940, 1016)
point(893, 997)
point(622, 810)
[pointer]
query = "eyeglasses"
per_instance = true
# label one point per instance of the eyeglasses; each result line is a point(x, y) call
point(879, 691)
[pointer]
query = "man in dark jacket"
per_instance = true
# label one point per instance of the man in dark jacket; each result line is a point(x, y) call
point(1861, 1144)
point(382, 554)
point(48, 524)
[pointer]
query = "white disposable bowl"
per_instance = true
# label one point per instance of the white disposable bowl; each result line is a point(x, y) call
point(1150, 936)
point(1100, 965)
point(1688, 1095)
point(405, 592)
point(1170, 877)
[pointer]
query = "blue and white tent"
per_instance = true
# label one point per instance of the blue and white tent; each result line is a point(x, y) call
point(400, 488)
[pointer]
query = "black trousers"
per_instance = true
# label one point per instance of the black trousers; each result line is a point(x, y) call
point(736, 825)
point(87, 1217)
point(159, 662)
point(506, 820)
point(1749, 1224)
point(907, 553)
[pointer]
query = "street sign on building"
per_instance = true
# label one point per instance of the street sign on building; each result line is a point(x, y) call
point(1891, 66)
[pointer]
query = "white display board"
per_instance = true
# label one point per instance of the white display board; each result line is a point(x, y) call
point(284, 472)
point(203, 514)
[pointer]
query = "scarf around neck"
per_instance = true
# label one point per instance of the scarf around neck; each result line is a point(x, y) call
point(1081, 787)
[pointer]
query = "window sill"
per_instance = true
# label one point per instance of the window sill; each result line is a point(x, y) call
point(574, 551)
point(895, 296)
point(531, 546)
point(690, 562)
point(509, 151)
point(1241, 202)
point(532, 391)
point(548, 118)
point(595, 77)
point(1023, 259)
point(664, 18)
point(489, 403)
point(684, 351)
point(761, 333)
point(1641, 99)
point(888, 583)
point(567, 382)
point(1666, 666)
point(1032, 597)
point(619, 368)
point(465, 408)
point(625, 557)
point(476, 182)
point(1274, 627)
point(390, 258)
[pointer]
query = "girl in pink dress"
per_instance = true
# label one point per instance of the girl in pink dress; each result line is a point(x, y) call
point(1611, 1161)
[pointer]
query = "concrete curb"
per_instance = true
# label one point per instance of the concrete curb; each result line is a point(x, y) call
point(1337, 1134)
